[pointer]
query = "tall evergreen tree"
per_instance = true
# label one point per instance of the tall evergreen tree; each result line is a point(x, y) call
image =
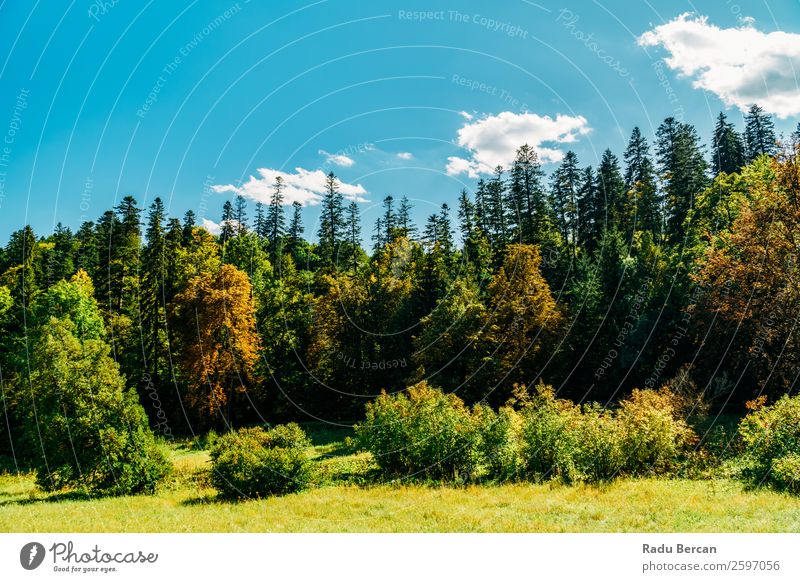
point(296, 229)
point(611, 189)
point(389, 219)
point(591, 212)
point(331, 226)
point(227, 223)
point(276, 220)
point(405, 226)
point(189, 222)
point(759, 133)
point(526, 195)
point(641, 188)
point(496, 208)
point(353, 228)
point(682, 168)
point(564, 193)
point(727, 147)
point(240, 214)
point(154, 276)
point(260, 223)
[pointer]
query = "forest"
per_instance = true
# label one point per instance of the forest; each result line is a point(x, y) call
point(672, 265)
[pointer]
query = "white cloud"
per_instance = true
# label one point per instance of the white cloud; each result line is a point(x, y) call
point(405, 155)
point(304, 186)
point(337, 159)
point(493, 140)
point(740, 65)
point(212, 226)
point(465, 115)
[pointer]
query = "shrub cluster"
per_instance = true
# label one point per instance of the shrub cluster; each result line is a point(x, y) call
point(423, 432)
point(253, 462)
point(427, 433)
point(771, 439)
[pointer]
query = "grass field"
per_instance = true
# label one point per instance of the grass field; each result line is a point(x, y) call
point(187, 503)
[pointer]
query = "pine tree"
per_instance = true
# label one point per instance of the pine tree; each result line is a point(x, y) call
point(611, 189)
point(353, 228)
point(727, 147)
point(226, 224)
point(260, 223)
point(682, 168)
point(496, 207)
point(759, 133)
point(276, 220)
point(124, 252)
point(481, 207)
point(154, 276)
point(466, 215)
point(642, 206)
point(331, 225)
point(591, 212)
point(189, 221)
point(296, 229)
point(389, 219)
point(240, 214)
point(526, 196)
point(378, 235)
point(405, 225)
point(564, 196)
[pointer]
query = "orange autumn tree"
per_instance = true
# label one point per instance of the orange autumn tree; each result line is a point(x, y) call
point(750, 275)
point(220, 345)
point(521, 320)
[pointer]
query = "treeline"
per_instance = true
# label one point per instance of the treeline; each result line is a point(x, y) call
point(669, 266)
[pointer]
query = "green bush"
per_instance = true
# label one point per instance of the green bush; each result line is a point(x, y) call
point(253, 462)
point(652, 431)
point(499, 442)
point(551, 437)
point(786, 473)
point(644, 436)
point(771, 439)
point(600, 453)
point(421, 433)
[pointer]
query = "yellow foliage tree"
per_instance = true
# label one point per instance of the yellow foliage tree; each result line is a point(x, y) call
point(220, 345)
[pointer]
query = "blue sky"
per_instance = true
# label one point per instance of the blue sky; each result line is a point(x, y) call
point(196, 101)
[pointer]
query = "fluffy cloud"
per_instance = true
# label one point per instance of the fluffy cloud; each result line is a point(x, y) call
point(493, 140)
point(302, 186)
point(740, 65)
point(337, 159)
point(211, 226)
point(405, 155)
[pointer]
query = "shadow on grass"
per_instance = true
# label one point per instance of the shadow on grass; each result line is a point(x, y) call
point(52, 498)
point(323, 434)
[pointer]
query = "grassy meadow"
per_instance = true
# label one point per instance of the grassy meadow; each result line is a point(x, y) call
point(345, 499)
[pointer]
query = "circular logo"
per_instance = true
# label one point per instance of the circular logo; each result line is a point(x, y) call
point(31, 555)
